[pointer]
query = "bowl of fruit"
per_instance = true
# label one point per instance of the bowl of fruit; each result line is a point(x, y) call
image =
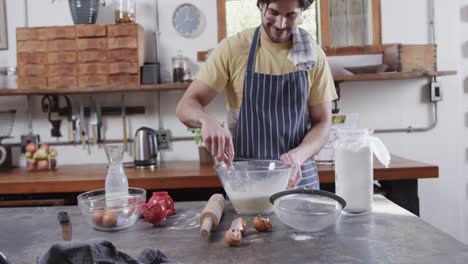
point(42, 158)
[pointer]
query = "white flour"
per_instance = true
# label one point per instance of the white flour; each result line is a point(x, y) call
point(354, 177)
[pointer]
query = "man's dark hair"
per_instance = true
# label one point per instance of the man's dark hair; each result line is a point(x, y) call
point(302, 3)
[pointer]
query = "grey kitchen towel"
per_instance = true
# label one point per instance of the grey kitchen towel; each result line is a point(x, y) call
point(304, 51)
point(99, 252)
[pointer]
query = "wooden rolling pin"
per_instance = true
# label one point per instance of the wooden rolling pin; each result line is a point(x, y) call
point(211, 214)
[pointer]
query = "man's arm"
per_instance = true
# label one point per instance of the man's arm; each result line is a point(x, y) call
point(190, 110)
point(315, 139)
point(320, 117)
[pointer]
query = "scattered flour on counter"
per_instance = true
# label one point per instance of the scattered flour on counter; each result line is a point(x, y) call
point(183, 221)
point(301, 237)
point(307, 236)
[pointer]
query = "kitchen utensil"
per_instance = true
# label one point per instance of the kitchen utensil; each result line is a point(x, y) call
point(99, 123)
point(65, 223)
point(30, 137)
point(83, 125)
point(126, 211)
point(94, 121)
point(69, 111)
point(124, 124)
point(249, 184)
point(211, 214)
point(146, 147)
point(367, 69)
point(307, 210)
point(7, 119)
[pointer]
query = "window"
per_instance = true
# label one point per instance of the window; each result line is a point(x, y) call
point(358, 17)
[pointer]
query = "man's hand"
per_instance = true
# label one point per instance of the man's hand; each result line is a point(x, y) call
point(217, 140)
point(290, 159)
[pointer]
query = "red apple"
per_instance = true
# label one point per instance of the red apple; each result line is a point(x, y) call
point(43, 165)
point(31, 148)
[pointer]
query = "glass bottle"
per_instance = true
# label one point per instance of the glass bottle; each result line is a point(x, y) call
point(116, 180)
point(125, 11)
point(179, 67)
point(10, 77)
point(354, 168)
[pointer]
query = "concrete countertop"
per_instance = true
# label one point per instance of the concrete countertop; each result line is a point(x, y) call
point(389, 234)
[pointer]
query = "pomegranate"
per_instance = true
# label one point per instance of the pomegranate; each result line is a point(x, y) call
point(155, 213)
point(166, 199)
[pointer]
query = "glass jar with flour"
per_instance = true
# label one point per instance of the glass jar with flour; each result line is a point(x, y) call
point(354, 169)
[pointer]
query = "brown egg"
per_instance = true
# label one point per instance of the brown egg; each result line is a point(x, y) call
point(110, 219)
point(240, 224)
point(262, 224)
point(233, 237)
point(97, 217)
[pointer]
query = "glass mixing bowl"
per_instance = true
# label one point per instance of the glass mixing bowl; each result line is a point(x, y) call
point(111, 214)
point(307, 210)
point(249, 184)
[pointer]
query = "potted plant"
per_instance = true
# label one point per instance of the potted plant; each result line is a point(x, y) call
point(203, 153)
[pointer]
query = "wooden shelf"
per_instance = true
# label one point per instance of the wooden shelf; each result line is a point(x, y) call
point(390, 76)
point(183, 86)
point(140, 88)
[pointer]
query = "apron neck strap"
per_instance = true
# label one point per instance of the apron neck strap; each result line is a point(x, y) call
point(253, 51)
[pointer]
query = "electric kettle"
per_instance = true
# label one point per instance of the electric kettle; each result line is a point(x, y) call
point(146, 147)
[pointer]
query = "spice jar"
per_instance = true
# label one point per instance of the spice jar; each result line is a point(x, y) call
point(124, 11)
point(10, 78)
point(179, 67)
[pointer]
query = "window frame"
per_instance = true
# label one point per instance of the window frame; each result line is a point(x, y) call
point(325, 35)
point(324, 29)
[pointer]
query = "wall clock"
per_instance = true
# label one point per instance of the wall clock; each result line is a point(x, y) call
point(188, 20)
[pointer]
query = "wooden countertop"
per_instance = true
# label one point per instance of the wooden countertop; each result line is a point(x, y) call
point(171, 175)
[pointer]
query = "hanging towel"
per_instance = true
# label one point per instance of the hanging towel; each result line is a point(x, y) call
point(304, 52)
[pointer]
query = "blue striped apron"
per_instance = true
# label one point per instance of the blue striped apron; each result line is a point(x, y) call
point(273, 117)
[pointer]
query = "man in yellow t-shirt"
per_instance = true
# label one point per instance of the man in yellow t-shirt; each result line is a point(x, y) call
point(278, 108)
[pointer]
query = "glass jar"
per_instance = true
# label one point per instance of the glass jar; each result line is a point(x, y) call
point(179, 67)
point(354, 168)
point(125, 11)
point(10, 78)
point(3, 78)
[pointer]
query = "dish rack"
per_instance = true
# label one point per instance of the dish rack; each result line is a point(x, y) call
point(7, 119)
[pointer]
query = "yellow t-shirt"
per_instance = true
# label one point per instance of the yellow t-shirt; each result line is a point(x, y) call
point(226, 66)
